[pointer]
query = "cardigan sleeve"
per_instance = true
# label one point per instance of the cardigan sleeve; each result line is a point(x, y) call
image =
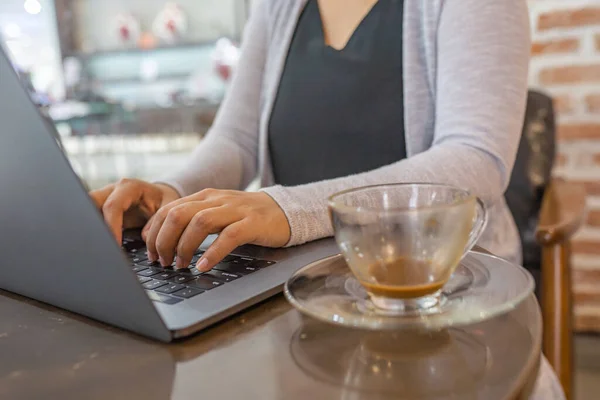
point(481, 88)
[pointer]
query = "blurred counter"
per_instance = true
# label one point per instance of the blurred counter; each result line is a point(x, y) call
point(105, 118)
point(100, 160)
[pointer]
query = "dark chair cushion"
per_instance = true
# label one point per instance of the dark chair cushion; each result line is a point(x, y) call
point(532, 173)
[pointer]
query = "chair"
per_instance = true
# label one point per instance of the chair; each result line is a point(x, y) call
point(562, 214)
point(547, 211)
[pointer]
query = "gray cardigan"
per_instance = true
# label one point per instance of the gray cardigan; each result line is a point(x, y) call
point(465, 65)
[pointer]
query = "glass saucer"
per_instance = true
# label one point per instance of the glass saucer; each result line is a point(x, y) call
point(483, 286)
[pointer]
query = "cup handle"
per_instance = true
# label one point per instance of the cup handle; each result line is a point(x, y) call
point(479, 224)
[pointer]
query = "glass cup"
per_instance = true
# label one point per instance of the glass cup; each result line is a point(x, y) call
point(402, 242)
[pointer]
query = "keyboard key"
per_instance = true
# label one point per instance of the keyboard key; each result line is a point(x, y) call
point(171, 266)
point(229, 258)
point(144, 279)
point(192, 271)
point(199, 252)
point(181, 278)
point(133, 245)
point(153, 284)
point(136, 251)
point(241, 261)
point(222, 275)
point(157, 264)
point(138, 268)
point(150, 271)
point(236, 268)
point(170, 288)
point(163, 276)
point(138, 258)
point(204, 283)
point(261, 263)
point(148, 263)
point(188, 292)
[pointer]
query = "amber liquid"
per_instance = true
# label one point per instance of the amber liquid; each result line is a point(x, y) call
point(402, 278)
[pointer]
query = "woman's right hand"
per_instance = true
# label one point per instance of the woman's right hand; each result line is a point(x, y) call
point(131, 203)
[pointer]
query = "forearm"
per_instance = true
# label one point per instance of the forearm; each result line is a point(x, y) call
point(454, 164)
point(217, 163)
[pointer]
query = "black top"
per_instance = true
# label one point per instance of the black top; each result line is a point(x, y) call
point(338, 113)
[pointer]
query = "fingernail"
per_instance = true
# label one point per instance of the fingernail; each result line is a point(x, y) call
point(202, 264)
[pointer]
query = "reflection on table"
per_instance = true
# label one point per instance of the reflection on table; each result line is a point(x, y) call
point(267, 352)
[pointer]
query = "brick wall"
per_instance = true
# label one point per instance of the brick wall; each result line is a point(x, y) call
point(565, 62)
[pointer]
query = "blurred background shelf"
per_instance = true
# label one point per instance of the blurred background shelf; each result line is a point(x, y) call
point(122, 109)
point(137, 50)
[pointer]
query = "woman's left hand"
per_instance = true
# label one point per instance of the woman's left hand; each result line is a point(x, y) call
point(180, 227)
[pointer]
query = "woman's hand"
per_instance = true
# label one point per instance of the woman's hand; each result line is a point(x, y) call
point(179, 228)
point(130, 203)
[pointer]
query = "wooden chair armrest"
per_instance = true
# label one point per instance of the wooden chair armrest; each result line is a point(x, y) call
point(563, 211)
point(562, 214)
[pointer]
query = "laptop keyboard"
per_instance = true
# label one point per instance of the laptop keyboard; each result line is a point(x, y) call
point(172, 286)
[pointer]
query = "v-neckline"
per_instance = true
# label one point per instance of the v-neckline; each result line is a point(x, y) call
point(352, 35)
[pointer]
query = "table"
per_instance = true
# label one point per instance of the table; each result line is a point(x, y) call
point(269, 351)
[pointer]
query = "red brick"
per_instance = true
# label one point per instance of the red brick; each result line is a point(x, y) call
point(587, 298)
point(582, 131)
point(564, 104)
point(555, 46)
point(561, 159)
point(587, 323)
point(570, 74)
point(593, 219)
point(586, 246)
point(592, 103)
point(583, 276)
point(580, 16)
point(591, 187)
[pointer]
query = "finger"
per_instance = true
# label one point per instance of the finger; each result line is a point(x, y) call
point(231, 237)
point(159, 220)
point(204, 223)
point(173, 226)
point(146, 228)
point(120, 200)
point(152, 232)
point(99, 196)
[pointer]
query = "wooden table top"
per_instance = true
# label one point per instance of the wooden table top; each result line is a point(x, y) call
point(267, 352)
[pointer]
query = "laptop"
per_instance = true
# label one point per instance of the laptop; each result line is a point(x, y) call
point(55, 247)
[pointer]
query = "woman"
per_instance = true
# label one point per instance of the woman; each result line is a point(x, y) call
point(333, 94)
